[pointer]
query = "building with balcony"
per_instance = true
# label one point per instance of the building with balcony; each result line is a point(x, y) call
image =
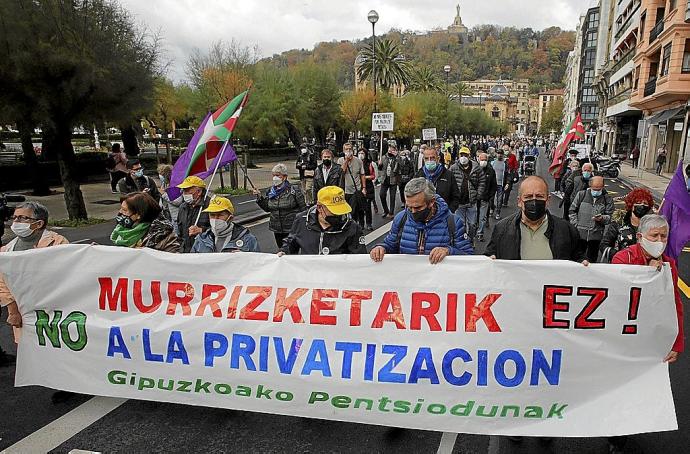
point(588, 47)
point(614, 82)
point(661, 80)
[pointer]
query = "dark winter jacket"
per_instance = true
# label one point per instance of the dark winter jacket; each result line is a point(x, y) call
point(476, 180)
point(584, 207)
point(446, 187)
point(333, 179)
point(306, 164)
point(283, 208)
point(406, 170)
point(241, 239)
point(430, 235)
point(618, 235)
point(161, 237)
point(574, 183)
point(143, 184)
point(186, 218)
point(490, 185)
point(307, 237)
point(395, 169)
point(506, 239)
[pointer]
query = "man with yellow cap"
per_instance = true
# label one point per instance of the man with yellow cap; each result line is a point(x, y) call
point(224, 235)
point(326, 228)
point(195, 200)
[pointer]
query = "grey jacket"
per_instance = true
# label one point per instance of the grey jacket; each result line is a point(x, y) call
point(395, 169)
point(585, 207)
point(283, 208)
point(476, 183)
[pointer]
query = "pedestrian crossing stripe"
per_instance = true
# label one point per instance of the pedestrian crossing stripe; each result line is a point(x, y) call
point(684, 287)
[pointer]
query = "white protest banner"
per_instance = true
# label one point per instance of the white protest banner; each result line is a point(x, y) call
point(540, 348)
point(429, 134)
point(382, 121)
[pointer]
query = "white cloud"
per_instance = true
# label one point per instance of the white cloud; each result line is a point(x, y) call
point(279, 25)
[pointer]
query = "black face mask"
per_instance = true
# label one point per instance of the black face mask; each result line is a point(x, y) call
point(327, 162)
point(422, 215)
point(641, 210)
point(124, 220)
point(336, 222)
point(534, 209)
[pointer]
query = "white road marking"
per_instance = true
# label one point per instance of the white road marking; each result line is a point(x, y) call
point(259, 222)
point(447, 443)
point(85, 240)
point(378, 232)
point(65, 427)
point(81, 451)
point(245, 202)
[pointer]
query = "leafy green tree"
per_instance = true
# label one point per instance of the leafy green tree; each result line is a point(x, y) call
point(75, 61)
point(318, 90)
point(424, 79)
point(553, 118)
point(391, 67)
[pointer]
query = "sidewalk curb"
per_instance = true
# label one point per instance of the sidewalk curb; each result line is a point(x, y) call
point(633, 184)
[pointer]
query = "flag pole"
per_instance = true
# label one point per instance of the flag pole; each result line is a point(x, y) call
point(213, 175)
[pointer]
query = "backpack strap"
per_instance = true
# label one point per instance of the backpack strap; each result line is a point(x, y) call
point(451, 230)
point(401, 226)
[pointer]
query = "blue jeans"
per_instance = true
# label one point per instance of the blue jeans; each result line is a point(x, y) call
point(483, 215)
point(468, 215)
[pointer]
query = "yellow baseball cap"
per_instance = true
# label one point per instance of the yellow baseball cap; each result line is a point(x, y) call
point(333, 198)
point(192, 182)
point(218, 204)
point(464, 150)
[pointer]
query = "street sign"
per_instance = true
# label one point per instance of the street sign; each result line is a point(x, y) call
point(429, 134)
point(382, 121)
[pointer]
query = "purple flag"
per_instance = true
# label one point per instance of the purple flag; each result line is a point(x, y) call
point(676, 208)
point(215, 150)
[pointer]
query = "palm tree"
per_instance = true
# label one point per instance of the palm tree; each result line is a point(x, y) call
point(460, 89)
point(391, 66)
point(425, 79)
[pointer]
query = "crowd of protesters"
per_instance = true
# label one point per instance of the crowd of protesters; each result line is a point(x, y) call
point(448, 195)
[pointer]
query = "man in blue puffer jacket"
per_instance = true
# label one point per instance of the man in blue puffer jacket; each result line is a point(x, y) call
point(425, 227)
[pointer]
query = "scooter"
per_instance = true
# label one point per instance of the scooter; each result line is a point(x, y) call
point(610, 168)
point(529, 166)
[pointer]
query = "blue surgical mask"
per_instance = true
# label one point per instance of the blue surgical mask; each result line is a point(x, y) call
point(430, 165)
point(596, 193)
point(139, 173)
point(587, 175)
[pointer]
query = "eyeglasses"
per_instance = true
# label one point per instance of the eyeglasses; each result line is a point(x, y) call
point(22, 219)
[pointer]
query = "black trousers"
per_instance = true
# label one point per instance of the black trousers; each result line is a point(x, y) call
point(367, 211)
point(114, 178)
point(590, 248)
point(388, 190)
point(358, 213)
point(279, 236)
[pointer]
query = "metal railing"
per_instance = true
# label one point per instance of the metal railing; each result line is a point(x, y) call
point(620, 63)
point(650, 87)
point(656, 31)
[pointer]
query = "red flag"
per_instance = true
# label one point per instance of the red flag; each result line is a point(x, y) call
point(576, 131)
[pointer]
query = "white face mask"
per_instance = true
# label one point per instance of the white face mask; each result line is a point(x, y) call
point(348, 153)
point(189, 198)
point(218, 225)
point(464, 160)
point(483, 163)
point(653, 248)
point(361, 156)
point(277, 181)
point(22, 229)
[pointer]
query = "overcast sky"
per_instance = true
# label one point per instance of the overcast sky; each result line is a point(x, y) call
point(279, 25)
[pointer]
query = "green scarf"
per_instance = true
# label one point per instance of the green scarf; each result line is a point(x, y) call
point(129, 237)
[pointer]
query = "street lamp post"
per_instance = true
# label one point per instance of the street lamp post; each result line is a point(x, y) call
point(373, 17)
point(446, 69)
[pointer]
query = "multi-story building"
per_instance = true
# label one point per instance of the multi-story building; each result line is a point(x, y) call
point(661, 83)
point(505, 100)
point(587, 101)
point(618, 125)
point(571, 81)
point(545, 100)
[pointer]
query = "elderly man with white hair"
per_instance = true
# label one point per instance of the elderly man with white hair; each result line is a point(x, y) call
point(283, 201)
point(29, 223)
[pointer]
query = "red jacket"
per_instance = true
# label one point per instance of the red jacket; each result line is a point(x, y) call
point(634, 255)
point(513, 163)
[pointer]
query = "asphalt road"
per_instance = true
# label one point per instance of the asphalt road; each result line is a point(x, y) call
point(141, 426)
